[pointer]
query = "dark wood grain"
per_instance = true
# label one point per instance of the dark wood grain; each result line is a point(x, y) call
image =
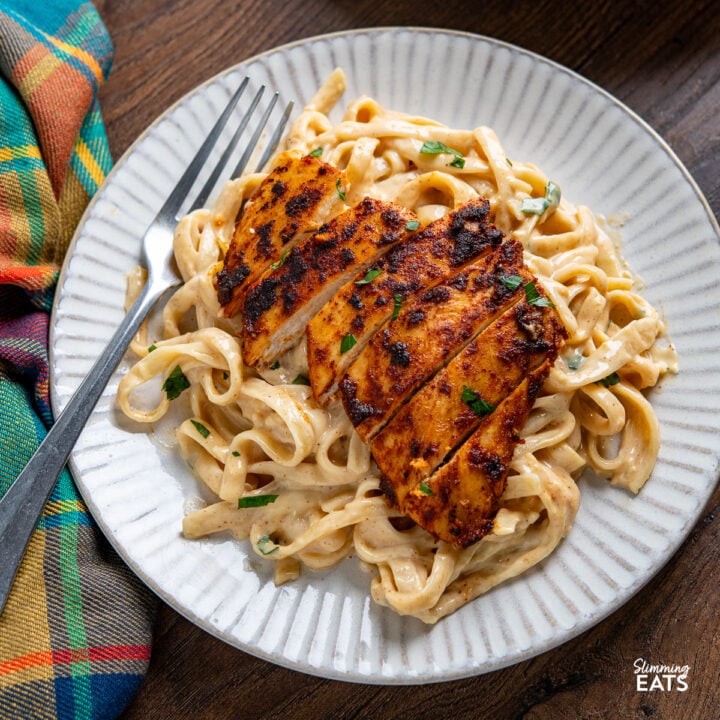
point(660, 58)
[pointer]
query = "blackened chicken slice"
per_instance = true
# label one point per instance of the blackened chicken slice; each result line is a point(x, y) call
point(279, 305)
point(294, 200)
point(427, 334)
point(459, 501)
point(426, 259)
point(440, 416)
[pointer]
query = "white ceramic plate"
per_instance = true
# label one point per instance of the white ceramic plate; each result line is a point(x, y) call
point(602, 155)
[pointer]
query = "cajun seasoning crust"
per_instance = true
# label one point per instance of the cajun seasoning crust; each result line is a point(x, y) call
point(292, 201)
point(410, 448)
point(278, 306)
point(458, 502)
point(426, 335)
point(424, 260)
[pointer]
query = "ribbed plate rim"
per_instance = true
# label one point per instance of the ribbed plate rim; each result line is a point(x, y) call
point(582, 624)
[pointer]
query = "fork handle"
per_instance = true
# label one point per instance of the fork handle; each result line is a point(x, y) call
point(23, 502)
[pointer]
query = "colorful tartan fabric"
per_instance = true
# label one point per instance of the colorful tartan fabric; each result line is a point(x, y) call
point(75, 634)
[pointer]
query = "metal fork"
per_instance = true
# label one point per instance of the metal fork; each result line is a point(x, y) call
point(22, 504)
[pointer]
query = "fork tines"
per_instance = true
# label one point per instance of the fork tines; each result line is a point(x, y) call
point(172, 206)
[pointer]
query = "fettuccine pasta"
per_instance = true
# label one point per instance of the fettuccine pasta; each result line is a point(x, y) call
point(257, 434)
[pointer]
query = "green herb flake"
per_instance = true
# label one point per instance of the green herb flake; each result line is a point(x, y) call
point(254, 501)
point(412, 225)
point(317, 152)
point(277, 265)
point(575, 361)
point(553, 194)
point(300, 380)
point(370, 275)
point(340, 190)
point(275, 365)
point(612, 379)
point(201, 428)
point(479, 406)
point(264, 543)
point(235, 453)
point(175, 383)
point(508, 161)
point(348, 342)
point(152, 347)
point(397, 298)
point(538, 206)
point(534, 297)
point(533, 206)
point(435, 147)
point(511, 282)
point(425, 488)
point(225, 376)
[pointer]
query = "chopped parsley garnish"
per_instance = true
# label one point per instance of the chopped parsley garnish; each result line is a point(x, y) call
point(175, 383)
point(412, 225)
point(300, 380)
point(253, 501)
point(537, 206)
point(340, 190)
point(235, 453)
point(317, 152)
point(479, 406)
point(575, 361)
point(508, 161)
point(348, 342)
point(275, 365)
point(425, 488)
point(200, 428)
point(534, 297)
point(397, 298)
point(612, 379)
point(370, 275)
point(435, 147)
point(277, 265)
point(511, 282)
point(264, 545)
point(152, 347)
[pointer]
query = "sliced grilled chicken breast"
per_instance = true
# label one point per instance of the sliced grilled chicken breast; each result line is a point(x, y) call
point(422, 261)
point(290, 203)
point(458, 502)
point(431, 338)
point(442, 414)
point(279, 305)
point(427, 334)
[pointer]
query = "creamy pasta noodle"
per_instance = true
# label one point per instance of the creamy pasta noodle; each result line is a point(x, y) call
point(294, 478)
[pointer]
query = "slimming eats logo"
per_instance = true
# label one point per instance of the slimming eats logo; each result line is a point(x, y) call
point(660, 677)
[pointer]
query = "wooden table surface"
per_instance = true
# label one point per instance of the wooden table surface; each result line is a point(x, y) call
point(660, 58)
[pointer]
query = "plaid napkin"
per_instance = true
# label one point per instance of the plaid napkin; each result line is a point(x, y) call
point(75, 634)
